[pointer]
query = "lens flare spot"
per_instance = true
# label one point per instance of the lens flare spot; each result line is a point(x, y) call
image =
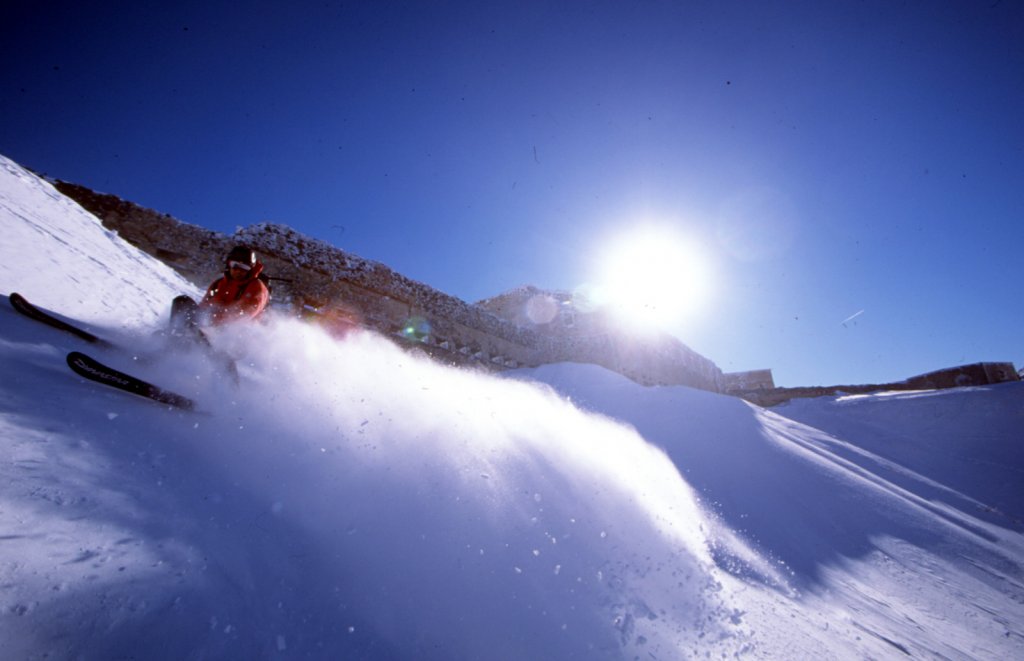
point(416, 329)
point(338, 320)
point(541, 308)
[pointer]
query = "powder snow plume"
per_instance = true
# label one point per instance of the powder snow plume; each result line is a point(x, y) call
point(462, 496)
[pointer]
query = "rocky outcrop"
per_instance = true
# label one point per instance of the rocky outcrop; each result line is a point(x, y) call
point(976, 374)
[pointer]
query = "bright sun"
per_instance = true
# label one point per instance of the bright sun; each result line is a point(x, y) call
point(653, 278)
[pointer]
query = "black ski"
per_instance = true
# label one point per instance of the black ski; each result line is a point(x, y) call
point(185, 337)
point(21, 304)
point(96, 371)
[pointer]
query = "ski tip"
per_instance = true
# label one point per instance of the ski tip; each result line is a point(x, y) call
point(25, 307)
point(78, 360)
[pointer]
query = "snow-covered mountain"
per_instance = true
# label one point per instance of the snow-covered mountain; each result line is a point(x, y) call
point(349, 500)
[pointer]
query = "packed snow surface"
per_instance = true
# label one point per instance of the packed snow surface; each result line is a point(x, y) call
point(351, 499)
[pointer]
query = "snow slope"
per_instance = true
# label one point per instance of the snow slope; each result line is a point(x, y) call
point(60, 255)
point(352, 500)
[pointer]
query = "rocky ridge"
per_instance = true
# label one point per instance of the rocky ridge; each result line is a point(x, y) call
point(341, 290)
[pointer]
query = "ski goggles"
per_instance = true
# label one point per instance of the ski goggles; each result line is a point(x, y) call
point(238, 265)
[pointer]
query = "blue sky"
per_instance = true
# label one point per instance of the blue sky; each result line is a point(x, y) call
point(827, 159)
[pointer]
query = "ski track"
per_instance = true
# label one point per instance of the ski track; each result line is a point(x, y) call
point(818, 447)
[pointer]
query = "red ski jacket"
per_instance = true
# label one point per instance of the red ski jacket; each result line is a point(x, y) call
point(229, 299)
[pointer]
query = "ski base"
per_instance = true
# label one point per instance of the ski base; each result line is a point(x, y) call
point(92, 369)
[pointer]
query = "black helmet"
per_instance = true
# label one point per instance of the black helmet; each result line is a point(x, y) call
point(243, 255)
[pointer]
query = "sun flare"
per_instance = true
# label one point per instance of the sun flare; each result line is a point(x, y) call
point(653, 278)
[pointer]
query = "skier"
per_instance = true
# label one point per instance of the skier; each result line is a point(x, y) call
point(239, 294)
